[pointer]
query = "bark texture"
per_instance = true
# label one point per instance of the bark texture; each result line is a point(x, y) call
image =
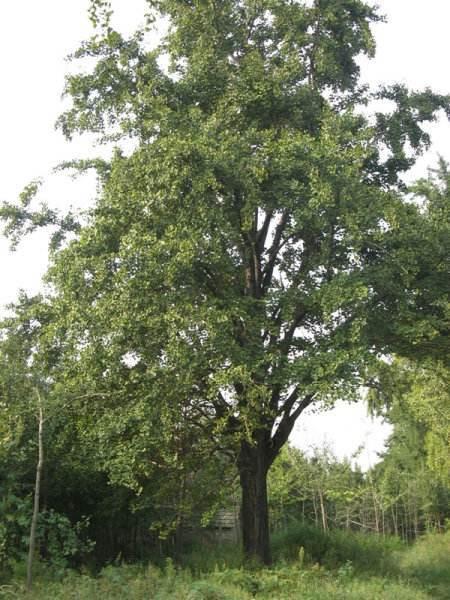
point(253, 467)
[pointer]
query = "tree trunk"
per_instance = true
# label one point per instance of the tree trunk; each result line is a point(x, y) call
point(37, 490)
point(253, 466)
point(323, 511)
point(394, 518)
point(375, 511)
point(316, 513)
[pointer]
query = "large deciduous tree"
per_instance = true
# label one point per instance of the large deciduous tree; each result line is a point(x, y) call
point(248, 243)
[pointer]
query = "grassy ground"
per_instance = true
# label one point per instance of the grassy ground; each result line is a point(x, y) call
point(308, 565)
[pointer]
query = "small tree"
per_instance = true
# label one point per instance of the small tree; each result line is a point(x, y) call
point(37, 492)
point(31, 412)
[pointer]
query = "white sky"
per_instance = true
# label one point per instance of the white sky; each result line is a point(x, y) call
point(35, 36)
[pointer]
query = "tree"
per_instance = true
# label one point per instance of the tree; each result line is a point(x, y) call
point(29, 403)
point(414, 497)
point(416, 396)
point(243, 253)
point(415, 324)
point(128, 489)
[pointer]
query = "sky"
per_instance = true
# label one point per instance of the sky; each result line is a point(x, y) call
point(35, 37)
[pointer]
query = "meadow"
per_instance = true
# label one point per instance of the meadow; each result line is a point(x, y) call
point(308, 564)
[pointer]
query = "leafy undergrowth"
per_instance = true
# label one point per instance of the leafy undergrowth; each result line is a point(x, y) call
point(282, 583)
point(420, 572)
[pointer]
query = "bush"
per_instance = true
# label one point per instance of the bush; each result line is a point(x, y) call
point(63, 543)
point(14, 528)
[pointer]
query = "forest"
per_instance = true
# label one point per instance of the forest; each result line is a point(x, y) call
point(253, 251)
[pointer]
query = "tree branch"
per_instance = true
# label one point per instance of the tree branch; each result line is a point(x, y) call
point(274, 250)
point(300, 314)
point(261, 235)
point(287, 422)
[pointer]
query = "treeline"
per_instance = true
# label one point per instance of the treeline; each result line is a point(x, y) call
point(407, 492)
point(389, 499)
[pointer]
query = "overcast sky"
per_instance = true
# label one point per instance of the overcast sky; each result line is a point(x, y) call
point(35, 37)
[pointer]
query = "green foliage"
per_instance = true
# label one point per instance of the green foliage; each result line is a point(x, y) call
point(403, 494)
point(428, 561)
point(249, 253)
point(22, 219)
point(421, 331)
point(316, 488)
point(414, 473)
point(63, 542)
point(366, 552)
point(418, 573)
point(14, 528)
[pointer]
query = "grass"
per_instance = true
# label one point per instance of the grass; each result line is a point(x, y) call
point(282, 583)
point(428, 562)
point(309, 565)
point(367, 553)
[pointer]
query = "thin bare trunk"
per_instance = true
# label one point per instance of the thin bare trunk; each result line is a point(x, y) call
point(375, 510)
point(180, 518)
point(37, 491)
point(316, 516)
point(394, 518)
point(323, 511)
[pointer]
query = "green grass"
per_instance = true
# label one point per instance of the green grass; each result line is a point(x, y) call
point(368, 553)
point(309, 566)
point(208, 556)
point(428, 562)
point(281, 583)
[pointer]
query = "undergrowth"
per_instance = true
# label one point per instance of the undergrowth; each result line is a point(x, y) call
point(309, 565)
point(368, 553)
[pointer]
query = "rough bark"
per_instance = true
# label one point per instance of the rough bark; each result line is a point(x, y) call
point(254, 460)
point(253, 467)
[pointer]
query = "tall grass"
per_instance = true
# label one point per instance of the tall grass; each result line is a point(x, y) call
point(428, 562)
point(370, 553)
point(367, 552)
point(280, 583)
point(205, 557)
point(310, 564)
